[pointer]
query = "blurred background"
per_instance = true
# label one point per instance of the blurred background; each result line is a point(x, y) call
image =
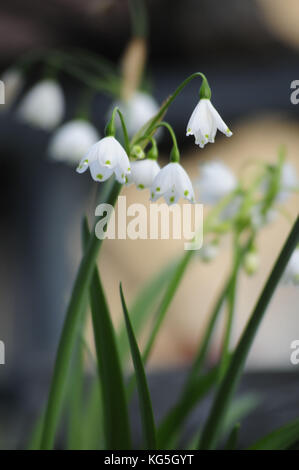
point(249, 51)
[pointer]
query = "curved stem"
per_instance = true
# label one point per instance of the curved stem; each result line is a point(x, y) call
point(166, 105)
point(125, 132)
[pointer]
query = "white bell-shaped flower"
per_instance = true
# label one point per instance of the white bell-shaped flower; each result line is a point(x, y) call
point(172, 182)
point(105, 158)
point(291, 274)
point(215, 182)
point(139, 109)
point(13, 82)
point(143, 173)
point(72, 140)
point(204, 122)
point(43, 105)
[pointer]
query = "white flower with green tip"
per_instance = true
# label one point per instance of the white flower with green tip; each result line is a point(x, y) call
point(105, 158)
point(204, 122)
point(143, 173)
point(172, 182)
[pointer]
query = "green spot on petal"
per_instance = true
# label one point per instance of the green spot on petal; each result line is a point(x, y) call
point(207, 136)
point(158, 189)
point(100, 176)
point(140, 186)
point(153, 195)
point(107, 162)
point(186, 192)
point(129, 169)
point(171, 199)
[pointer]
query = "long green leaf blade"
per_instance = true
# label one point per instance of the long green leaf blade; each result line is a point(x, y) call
point(143, 392)
point(279, 439)
point(116, 418)
point(213, 426)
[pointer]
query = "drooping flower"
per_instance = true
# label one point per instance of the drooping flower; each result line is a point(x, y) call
point(204, 122)
point(172, 182)
point(291, 274)
point(43, 105)
point(13, 83)
point(143, 173)
point(105, 158)
point(215, 182)
point(139, 109)
point(72, 140)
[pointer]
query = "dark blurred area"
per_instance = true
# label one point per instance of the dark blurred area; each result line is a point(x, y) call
point(250, 66)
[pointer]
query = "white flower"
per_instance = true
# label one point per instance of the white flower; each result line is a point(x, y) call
point(143, 173)
point(259, 219)
point(216, 181)
point(72, 140)
point(13, 82)
point(43, 105)
point(105, 158)
point(291, 274)
point(204, 122)
point(209, 251)
point(172, 182)
point(140, 108)
point(289, 182)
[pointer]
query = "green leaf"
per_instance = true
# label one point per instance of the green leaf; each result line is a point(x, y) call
point(280, 439)
point(116, 419)
point(175, 418)
point(232, 440)
point(145, 303)
point(69, 331)
point(145, 405)
point(224, 395)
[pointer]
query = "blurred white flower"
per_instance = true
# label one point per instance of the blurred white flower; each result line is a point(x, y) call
point(72, 140)
point(216, 181)
point(43, 106)
point(143, 173)
point(289, 182)
point(259, 219)
point(231, 209)
point(291, 274)
point(139, 109)
point(13, 83)
point(172, 182)
point(105, 158)
point(209, 251)
point(251, 262)
point(204, 122)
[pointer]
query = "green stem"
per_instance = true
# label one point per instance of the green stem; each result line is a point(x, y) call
point(68, 335)
point(224, 395)
point(166, 105)
point(231, 298)
point(139, 18)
